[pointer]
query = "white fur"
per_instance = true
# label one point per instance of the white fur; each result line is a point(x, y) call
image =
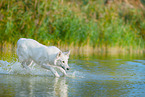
point(29, 50)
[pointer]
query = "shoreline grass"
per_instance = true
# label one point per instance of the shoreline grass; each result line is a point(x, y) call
point(73, 23)
point(84, 50)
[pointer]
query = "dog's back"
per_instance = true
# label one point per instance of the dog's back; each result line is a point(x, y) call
point(23, 47)
point(29, 49)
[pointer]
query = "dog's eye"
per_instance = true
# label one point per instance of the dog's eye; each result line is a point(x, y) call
point(63, 62)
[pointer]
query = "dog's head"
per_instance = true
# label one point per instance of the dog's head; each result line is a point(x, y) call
point(62, 60)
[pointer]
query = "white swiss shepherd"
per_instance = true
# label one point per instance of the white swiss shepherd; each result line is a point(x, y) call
point(29, 50)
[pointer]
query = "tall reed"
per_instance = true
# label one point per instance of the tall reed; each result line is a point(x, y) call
point(77, 23)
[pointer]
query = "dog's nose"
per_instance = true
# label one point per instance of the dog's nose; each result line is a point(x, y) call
point(67, 68)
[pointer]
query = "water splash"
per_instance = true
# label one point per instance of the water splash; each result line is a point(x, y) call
point(17, 69)
point(76, 74)
point(5, 67)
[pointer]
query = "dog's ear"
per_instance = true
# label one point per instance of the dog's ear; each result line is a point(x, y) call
point(67, 53)
point(59, 54)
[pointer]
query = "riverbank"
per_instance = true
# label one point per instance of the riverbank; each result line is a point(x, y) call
point(84, 50)
point(75, 24)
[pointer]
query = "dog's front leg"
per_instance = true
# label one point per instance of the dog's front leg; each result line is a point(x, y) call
point(62, 70)
point(51, 69)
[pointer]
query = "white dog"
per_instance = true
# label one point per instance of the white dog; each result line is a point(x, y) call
point(29, 50)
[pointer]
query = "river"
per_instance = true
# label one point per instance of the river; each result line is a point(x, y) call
point(98, 75)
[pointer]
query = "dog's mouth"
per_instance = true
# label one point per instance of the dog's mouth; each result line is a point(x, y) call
point(62, 67)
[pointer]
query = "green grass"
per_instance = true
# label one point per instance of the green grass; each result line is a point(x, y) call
point(77, 23)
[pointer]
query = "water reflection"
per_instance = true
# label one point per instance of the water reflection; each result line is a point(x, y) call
point(28, 86)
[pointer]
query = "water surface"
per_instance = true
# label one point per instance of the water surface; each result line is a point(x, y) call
point(100, 75)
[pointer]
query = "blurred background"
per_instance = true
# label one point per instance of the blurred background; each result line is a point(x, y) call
point(79, 25)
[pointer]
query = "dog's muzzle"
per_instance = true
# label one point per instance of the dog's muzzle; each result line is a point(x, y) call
point(65, 68)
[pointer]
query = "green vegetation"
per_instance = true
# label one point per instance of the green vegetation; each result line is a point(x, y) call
point(73, 23)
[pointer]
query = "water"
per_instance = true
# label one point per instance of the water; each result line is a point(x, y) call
point(90, 76)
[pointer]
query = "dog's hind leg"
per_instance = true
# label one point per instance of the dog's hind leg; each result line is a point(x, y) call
point(29, 62)
point(24, 64)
